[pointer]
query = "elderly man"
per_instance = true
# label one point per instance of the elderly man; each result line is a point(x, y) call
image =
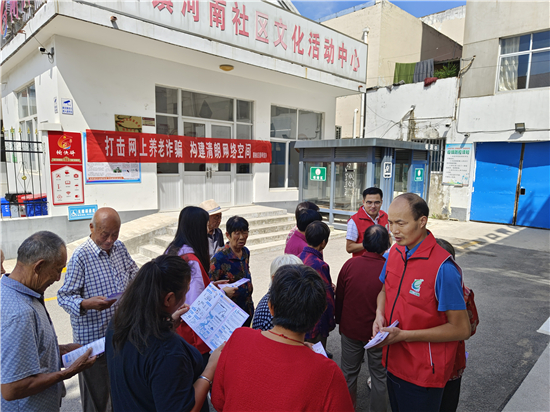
point(30, 373)
point(215, 235)
point(98, 269)
point(423, 291)
point(356, 292)
point(369, 214)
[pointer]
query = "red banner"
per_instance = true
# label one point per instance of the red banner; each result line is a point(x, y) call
point(106, 146)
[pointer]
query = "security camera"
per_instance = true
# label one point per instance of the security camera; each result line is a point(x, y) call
point(42, 49)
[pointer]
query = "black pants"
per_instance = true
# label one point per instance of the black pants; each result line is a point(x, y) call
point(451, 394)
point(406, 396)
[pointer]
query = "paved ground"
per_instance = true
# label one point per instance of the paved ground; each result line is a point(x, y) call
point(509, 270)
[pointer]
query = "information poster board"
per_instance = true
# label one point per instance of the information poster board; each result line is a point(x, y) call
point(66, 168)
point(456, 171)
point(107, 172)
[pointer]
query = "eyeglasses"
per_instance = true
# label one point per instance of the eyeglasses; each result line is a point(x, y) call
point(377, 203)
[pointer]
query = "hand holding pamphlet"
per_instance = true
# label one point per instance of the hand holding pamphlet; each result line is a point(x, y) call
point(380, 336)
point(214, 317)
point(98, 347)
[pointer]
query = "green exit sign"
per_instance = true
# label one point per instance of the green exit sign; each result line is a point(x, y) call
point(318, 174)
point(419, 175)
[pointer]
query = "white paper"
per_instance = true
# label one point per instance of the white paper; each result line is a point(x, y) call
point(98, 347)
point(214, 317)
point(115, 296)
point(318, 348)
point(380, 336)
point(235, 284)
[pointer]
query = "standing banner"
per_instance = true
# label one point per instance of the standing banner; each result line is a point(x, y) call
point(107, 146)
point(66, 168)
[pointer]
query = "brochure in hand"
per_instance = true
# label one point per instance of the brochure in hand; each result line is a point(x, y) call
point(380, 336)
point(214, 317)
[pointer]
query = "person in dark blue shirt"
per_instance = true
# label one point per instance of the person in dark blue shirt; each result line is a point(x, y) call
point(151, 368)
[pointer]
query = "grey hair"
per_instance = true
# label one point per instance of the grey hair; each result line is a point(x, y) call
point(284, 260)
point(42, 245)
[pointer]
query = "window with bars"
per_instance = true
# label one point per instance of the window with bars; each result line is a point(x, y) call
point(437, 156)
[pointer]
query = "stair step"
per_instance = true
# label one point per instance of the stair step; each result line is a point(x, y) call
point(287, 220)
point(151, 250)
point(140, 259)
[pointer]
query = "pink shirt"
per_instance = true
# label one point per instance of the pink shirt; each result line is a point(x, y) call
point(296, 244)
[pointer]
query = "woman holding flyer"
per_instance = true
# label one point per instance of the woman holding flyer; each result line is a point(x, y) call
point(232, 263)
point(275, 369)
point(191, 244)
point(150, 366)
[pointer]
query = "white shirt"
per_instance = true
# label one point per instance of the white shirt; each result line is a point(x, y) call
point(352, 233)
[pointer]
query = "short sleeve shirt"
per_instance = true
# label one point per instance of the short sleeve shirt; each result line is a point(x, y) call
point(29, 345)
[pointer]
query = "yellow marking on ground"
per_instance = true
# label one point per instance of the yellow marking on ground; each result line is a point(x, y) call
point(48, 299)
point(467, 245)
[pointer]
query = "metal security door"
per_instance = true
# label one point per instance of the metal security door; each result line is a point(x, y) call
point(534, 190)
point(494, 194)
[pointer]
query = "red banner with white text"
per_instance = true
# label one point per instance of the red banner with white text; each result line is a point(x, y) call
point(113, 147)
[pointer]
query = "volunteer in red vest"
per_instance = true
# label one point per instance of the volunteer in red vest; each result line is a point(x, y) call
point(369, 214)
point(423, 291)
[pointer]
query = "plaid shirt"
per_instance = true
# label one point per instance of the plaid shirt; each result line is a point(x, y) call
point(92, 272)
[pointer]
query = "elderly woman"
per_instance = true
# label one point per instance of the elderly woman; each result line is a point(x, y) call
point(262, 315)
point(232, 263)
point(275, 369)
point(151, 368)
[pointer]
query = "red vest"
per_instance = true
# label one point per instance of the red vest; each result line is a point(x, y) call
point(183, 329)
point(363, 221)
point(410, 298)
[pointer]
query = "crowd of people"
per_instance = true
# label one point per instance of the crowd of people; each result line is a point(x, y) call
point(154, 361)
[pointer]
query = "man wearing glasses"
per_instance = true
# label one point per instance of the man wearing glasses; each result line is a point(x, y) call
point(369, 214)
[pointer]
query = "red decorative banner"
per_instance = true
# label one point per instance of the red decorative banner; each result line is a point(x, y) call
point(114, 147)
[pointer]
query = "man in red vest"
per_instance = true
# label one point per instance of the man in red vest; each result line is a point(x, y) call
point(423, 291)
point(369, 214)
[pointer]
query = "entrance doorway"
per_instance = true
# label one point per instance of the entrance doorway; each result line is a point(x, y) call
point(203, 181)
point(511, 184)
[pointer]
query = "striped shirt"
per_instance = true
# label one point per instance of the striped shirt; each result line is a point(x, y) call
point(92, 272)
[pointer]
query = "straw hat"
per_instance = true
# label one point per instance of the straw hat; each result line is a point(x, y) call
point(212, 207)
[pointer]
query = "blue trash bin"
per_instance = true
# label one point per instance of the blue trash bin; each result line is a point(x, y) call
point(6, 212)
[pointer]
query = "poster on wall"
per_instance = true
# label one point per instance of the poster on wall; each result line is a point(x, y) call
point(110, 172)
point(66, 168)
point(124, 123)
point(456, 171)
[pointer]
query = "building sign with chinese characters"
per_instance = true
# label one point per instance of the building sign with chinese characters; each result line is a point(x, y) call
point(258, 26)
point(318, 173)
point(456, 171)
point(66, 168)
point(105, 146)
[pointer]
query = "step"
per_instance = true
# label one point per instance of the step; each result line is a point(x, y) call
point(140, 259)
point(151, 250)
point(287, 220)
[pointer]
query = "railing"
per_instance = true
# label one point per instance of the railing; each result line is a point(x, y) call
point(26, 184)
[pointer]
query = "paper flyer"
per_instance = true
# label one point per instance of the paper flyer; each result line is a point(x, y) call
point(380, 336)
point(214, 317)
point(98, 347)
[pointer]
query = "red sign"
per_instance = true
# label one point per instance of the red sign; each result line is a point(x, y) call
point(66, 168)
point(65, 148)
point(114, 147)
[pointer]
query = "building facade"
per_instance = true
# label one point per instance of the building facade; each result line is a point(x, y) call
point(159, 67)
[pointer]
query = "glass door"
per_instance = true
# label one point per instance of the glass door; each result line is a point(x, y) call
point(202, 181)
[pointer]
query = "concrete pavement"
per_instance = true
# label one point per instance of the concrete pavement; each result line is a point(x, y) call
point(508, 268)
